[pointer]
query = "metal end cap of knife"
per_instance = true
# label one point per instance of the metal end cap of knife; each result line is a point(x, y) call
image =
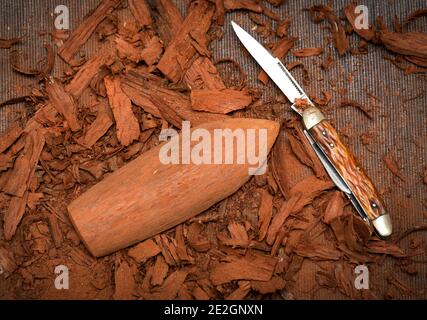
point(311, 117)
point(383, 226)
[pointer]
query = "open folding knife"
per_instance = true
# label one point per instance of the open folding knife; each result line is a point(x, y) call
point(333, 154)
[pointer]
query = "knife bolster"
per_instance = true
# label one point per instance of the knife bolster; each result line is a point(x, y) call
point(311, 117)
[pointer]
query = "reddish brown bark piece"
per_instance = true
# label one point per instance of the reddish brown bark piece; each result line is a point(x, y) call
point(134, 89)
point(168, 21)
point(168, 249)
point(397, 26)
point(82, 33)
point(63, 102)
point(343, 274)
point(176, 107)
point(301, 194)
point(327, 63)
point(203, 75)
point(6, 161)
point(8, 43)
point(252, 266)
point(220, 101)
point(199, 293)
point(276, 2)
point(349, 11)
point(353, 232)
point(334, 208)
point(170, 287)
point(195, 238)
point(144, 250)
point(241, 292)
point(45, 115)
point(127, 50)
point(86, 73)
point(279, 219)
point(55, 230)
point(126, 122)
point(25, 164)
point(141, 12)
point(416, 60)
point(173, 106)
point(14, 214)
point(239, 236)
point(184, 293)
point(99, 127)
point(416, 14)
point(152, 52)
point(322, 12)
point(382, 247)
point(182, 49)
point(270, 286)
point(160, 270)
point(317, 251)
point(107, 27)
point(7, 262)
point(249, 5)
point(282, 28)
point(284, 164)
point(409, 43)
point(307, 52)
point(181, 248)
point(124, 281)
point(279, 50)
point(264, 214)
point(10, 136)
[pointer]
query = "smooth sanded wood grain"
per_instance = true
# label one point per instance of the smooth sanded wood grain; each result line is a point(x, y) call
point(146, 197)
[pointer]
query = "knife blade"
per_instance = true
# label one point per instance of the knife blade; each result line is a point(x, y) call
point(337, 159)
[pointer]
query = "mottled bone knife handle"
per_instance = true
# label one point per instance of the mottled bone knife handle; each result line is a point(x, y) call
point(327, 138)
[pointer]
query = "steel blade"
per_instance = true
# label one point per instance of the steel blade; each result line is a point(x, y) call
point(271, 65)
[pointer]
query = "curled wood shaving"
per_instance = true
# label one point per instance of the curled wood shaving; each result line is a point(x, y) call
point(416, 14)
point(355, 104)
point(307, 52)
point(408, 232)
point(323, 101)
point(15, 60)
point(8, 43)
point(324, 12)
point(242, 75)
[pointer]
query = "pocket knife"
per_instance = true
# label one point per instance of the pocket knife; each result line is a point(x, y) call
point(337, 159)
